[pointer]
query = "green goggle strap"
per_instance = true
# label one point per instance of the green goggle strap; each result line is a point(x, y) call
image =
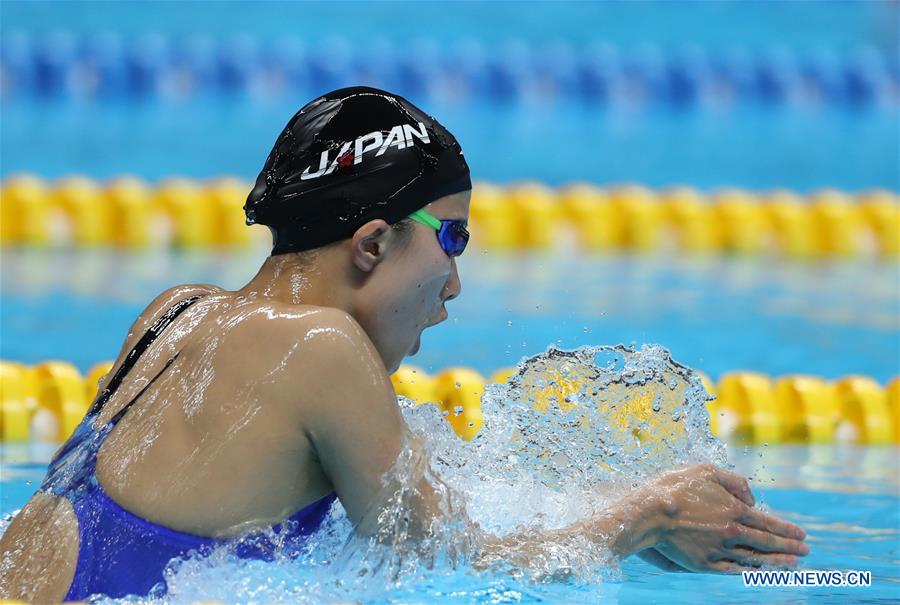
point(420, 216)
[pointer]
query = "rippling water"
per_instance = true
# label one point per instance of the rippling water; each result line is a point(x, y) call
point(715, 314)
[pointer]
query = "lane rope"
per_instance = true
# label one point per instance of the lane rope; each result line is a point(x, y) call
point(45, 402)
point(127, 212)
point(108, 66)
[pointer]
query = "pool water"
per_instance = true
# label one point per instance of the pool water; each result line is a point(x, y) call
point(715, 314)
point(709, 24)
point(801, 149)
point(847, 498)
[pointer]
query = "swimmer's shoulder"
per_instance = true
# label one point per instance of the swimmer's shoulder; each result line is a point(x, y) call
point(326, 395)
point(333, 395)
point(322, 331)
point(164, 301)
point(157, 307)
point(311, 351)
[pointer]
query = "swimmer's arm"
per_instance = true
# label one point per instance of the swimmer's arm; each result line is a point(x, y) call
point(350, 413)
point(700, 518)
point(354, 423)
point(356, 428)
point(626, 528)
point(351, 417)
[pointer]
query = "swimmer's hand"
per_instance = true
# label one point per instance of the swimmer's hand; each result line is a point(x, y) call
point(703, 519)
point(699, 519)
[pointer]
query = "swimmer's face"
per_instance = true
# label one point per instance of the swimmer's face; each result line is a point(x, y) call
point(408, 289)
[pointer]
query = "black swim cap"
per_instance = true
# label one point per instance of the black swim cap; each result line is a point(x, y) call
point(348, 157)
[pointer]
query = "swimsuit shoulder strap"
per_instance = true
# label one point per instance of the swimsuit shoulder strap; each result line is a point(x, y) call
point(142, 345)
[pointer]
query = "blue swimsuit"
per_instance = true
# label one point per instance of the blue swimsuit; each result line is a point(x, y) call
point(119, 553)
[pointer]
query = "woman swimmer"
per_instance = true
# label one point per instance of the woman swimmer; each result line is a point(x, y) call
point(228, 411)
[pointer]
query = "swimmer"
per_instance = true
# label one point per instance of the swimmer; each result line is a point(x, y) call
point(230, 411)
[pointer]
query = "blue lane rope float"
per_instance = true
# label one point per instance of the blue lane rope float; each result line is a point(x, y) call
point(106, 65)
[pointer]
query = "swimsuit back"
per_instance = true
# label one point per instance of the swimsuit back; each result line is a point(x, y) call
point(120, 553)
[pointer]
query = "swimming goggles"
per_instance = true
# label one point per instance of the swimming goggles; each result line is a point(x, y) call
point(451, 235)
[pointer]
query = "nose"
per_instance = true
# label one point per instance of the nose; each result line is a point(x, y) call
point(453, 286)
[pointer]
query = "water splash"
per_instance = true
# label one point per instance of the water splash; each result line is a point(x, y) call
point(567, 435)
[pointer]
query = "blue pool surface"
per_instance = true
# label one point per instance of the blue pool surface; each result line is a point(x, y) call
point(841, 23)
point(755, 148)
point(715, 314)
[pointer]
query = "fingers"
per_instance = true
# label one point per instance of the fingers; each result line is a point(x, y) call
point(752, 558)
point(727, 567)
point(657, 559)
point(735, 484)
point(772, 524)
point(768, 542)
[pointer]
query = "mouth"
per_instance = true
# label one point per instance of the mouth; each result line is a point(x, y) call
point(440, 319)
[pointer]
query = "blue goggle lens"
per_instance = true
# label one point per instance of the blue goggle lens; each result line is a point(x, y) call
point(453, 237)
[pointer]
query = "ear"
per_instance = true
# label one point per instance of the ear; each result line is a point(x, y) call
point(370, 243)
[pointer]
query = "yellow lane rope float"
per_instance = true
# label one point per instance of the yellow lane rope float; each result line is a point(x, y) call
point(129, 212)
point(47, 401)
